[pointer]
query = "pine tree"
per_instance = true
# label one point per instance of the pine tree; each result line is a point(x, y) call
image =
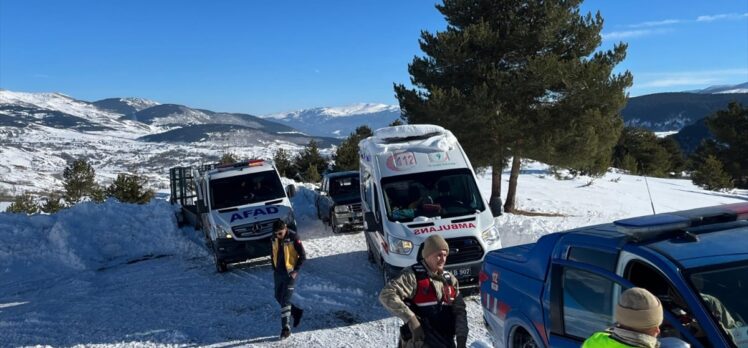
point(282, 161)
point(346, 157)
point(310, 156)
point(517, 78)
point(645, 148)
point(730, 129)
point(228, 158)
point(78, 181)
point(98, 194)
point(23, 204)
point(52, 204)
point(711, 175)
point(311, 174)
point(676, 159)
point(130, 189)
point(396, 122)
point(629, 164)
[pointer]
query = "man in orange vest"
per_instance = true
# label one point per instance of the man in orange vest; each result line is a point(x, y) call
point(287, 256)
point(426, 298)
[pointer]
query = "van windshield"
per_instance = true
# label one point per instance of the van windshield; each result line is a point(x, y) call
point(245, 189)
point(445, 193)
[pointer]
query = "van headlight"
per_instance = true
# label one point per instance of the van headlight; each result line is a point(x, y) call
point(491, 236)
point(400, 246)
point(224, 233)
point(342, 209)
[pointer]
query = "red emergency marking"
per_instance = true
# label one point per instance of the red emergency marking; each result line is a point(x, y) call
point(502, 310)
point(443, 228)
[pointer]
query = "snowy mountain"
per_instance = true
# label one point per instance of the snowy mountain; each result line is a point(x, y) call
point(339, 121)
point(41, 132)
point(117, 275)
point(662, 112)
point(124, 106)
point(722, 89)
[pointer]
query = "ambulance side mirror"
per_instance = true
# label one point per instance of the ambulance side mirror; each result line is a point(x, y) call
point(290, 191)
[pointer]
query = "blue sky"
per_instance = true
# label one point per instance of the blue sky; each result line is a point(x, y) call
point(262, 57)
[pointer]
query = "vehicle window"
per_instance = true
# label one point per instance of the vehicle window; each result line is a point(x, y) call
point(588, 302)
point(345, 187)
point(445, 193)
point(645, 276)
point(599, 258)
point(245, 189)
point(724, 293)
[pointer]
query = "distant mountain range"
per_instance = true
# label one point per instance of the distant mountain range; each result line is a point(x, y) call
point(41, 132)
point(338, 121)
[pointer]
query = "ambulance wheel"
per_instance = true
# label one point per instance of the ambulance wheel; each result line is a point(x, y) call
point(220, 264)
point(369, 253)
point(522, 339)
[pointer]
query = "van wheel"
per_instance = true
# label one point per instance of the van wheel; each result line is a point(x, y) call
point(220, 263)
point(522, 339)
point(369, 253)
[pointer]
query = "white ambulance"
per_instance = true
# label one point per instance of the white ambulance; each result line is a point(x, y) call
point(417, 181)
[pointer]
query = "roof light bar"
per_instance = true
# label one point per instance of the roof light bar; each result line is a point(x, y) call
point(656, 226)
point(741, 209)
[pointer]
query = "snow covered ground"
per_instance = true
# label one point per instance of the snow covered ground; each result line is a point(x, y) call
point(119, 275)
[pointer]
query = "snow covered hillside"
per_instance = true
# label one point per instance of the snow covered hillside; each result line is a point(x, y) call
point(339, 121)
point(118, 275)
point(41, 132)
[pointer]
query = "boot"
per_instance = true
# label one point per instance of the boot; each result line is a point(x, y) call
point(285, 333)
point(296, 313)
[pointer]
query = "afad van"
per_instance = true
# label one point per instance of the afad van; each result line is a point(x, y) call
point(416, 181)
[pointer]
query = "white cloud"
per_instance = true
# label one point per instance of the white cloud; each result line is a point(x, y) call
point(721, 17)
point(627, 34)
point(687, 78)
point(655, 23)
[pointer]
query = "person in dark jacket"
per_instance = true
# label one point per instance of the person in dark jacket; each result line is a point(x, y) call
point(287, 257)
point(427, 299)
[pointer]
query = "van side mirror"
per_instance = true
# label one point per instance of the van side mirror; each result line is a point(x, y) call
point(371, 222)
point(290, 191)
point(673, 342)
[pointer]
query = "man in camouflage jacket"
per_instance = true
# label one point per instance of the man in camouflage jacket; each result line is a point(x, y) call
point(426, 298)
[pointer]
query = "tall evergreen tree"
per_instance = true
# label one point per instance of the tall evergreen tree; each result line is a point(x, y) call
point(645, 148)
point(730, 129)
point(519, 78)
point(346, 157)
point(78, 181)
point(310, 156)
point(282, 160)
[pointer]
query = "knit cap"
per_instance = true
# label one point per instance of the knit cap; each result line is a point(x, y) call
point(433, 244)
point(638, 309)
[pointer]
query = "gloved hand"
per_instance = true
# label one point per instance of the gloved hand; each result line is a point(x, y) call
point(415, 329)
point(461, 342)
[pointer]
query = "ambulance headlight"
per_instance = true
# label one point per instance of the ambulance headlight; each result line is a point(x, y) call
point(224, 233)
point(400, 246)
point(491, 237)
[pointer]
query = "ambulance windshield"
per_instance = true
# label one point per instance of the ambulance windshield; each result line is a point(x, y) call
point(446, 193)
point(245, 189)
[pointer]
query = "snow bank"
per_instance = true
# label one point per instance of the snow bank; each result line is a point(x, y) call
point(89, 237)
